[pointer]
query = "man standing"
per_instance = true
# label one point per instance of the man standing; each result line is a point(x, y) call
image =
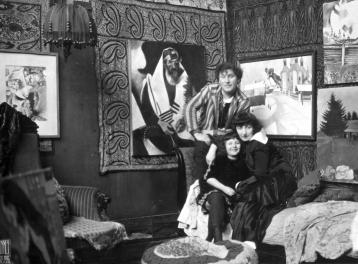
point(163, 97)
point(210, 112)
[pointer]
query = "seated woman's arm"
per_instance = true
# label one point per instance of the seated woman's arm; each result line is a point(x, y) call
point(218, 185)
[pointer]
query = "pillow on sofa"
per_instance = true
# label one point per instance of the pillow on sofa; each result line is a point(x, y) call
point(62, 202)
point(304, 194)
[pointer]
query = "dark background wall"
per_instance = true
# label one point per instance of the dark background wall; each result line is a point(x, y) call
point(75, 157)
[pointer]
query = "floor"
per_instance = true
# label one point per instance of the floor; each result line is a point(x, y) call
point(130, 251)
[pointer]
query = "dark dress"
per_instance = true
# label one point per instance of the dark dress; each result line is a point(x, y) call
point(263, 194)
point(228, 172)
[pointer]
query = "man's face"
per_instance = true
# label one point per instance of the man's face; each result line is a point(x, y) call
point(228, 82)
point(172, 66)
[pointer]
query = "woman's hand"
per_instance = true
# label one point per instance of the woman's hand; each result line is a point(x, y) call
point(229, 191)
point(211, 155)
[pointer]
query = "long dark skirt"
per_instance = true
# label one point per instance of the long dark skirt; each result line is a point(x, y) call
point(258, 203)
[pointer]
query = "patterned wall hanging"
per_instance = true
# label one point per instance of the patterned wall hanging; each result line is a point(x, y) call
point(21, 25)
point(118, 22)
point(217, 5)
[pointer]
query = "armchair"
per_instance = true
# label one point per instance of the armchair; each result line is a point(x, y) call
point(89, 229)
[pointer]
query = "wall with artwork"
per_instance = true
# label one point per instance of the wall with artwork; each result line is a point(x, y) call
point(286, 27)
point(84, 92)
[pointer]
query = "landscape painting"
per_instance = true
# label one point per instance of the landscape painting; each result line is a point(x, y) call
point(337, 127)
point(340, 41)
point(282, 90)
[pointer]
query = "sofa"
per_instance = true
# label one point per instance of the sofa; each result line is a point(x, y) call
point(321, 230)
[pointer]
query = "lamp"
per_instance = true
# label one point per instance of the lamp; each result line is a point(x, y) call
point(67, 24)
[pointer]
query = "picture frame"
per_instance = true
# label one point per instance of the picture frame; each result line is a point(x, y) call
point(340, 42)
point(29, 83)
point(282, 93)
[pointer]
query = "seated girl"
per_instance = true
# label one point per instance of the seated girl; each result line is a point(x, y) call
point(218, 186)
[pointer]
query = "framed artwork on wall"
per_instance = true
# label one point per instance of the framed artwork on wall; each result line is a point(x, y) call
point(337, 126)
point(283, 85)
point(164, 76)
point(340, 42)
point(29, 83)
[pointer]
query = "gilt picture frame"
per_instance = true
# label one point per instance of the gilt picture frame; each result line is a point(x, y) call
point(29, 83)
point(282, 91)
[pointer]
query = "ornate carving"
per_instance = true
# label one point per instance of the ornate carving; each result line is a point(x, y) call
point(118, 21)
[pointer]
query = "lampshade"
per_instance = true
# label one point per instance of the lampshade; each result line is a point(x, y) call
point(67, 24)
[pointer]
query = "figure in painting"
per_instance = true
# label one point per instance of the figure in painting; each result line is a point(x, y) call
point(163, 97)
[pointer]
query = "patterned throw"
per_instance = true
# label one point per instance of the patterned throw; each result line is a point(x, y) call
point(323, 228)
point(101, 235)
point(197, 250)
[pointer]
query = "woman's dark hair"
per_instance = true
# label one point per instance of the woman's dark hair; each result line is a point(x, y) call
point(228, 66)
point(221, 141)
point(245, 118)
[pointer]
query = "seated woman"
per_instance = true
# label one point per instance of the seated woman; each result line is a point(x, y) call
point(218, 186)
point(270, 183)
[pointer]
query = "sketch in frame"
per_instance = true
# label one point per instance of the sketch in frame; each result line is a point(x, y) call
point(285, 84)
point(30, 86)
point(340, 41)
point(337, 127)
point(164, 77)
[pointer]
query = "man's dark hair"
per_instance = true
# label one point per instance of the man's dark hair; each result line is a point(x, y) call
point(228, 66)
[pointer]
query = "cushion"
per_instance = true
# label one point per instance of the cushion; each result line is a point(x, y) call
point(197, 250)
point(100, 234)
point(62, 202)
point(304, 194)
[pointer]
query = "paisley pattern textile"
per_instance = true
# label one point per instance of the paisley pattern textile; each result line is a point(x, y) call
point(21, 25)
point(217, 5)
point(119, 21)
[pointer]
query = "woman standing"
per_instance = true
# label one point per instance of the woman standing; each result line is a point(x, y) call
point(268, 187)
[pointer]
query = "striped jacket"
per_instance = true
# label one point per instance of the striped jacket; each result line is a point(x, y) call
point(202, 111)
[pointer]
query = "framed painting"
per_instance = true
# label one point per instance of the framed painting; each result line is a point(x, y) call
point(337, 126)
point(286, 94)
point(340, 42)
point(164, 77)
point(29, 83)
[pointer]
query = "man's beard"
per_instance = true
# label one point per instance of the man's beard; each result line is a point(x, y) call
point(175, 73)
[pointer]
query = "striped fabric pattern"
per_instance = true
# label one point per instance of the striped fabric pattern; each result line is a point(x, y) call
point(82, 201)
point(206, 103)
